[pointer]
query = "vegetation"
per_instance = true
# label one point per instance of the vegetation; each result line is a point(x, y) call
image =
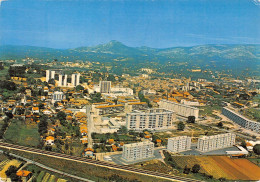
point(25, 135)
point(181, 126)
point(256, 149)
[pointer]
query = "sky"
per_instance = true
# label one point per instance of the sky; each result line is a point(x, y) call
point(153, 23)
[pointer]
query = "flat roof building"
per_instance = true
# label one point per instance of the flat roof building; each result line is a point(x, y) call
point(241, 120)
point(179, 144)
point(180, 109)
point(138, 151)
point(152, 119)
point(208, 143)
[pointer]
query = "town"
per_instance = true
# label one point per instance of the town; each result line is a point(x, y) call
point(192, 128)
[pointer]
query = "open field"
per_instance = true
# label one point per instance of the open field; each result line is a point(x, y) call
point(91, 172)
point(9, 163)
point(26, 135)
point(221, 166)
point(40, 174)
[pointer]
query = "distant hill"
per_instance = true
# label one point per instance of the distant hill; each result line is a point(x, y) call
point(229, 55)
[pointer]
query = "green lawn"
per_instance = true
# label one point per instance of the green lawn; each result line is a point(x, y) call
point(19, 133)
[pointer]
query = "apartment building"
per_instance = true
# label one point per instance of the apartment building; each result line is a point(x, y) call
point(50, 74)
point(179, 144)
point(138, 151)
point(105, 86)
point(180, 109)
point(208, 143)
point(57, 96)
point(152, 119)
point(75, 78)
point(241, 120)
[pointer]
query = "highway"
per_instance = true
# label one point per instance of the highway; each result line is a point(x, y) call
point(96, 163)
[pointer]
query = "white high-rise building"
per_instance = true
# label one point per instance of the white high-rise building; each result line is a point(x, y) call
point(50, 74)
point(137, 151)
point(105, 86)
point(62, 80)
point(152, 119)
point(75, 79)
point(208, 143)
point(179, 144)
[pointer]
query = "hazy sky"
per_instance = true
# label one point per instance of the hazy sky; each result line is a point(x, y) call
point(153, 23)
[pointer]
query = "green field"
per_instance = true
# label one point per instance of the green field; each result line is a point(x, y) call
point(91, 172)
point(19, 133)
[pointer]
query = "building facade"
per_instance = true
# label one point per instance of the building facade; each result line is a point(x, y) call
point(241, 120)
point(105, 86)
point(179, 144)
point(138, 151)
point(180, 109)
point(57, 96)
point(62, 80)
point(208, 143)
point(75, 79)
point(151, 119)
point(50, 74)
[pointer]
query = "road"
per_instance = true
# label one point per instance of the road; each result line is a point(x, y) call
point(95, 163)
point(90, 126)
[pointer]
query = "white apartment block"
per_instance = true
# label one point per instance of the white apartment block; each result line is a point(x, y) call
point(208, 143)
point(138, 151)
point(179, 144)
point(180, 109)
point(62, 80)
point(75, 79)
point(105, 86)
point(58, 96)
point(151, 119)
point(241, 120)
point(50, 75)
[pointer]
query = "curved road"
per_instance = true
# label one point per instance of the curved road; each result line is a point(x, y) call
point(96, 163)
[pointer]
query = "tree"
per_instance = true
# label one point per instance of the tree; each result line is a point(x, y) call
point(79, 87)
point(191, 119)
point(243, 144)
point(7, 85)
point(256, 149)
point(51, 81)
point(181, 126)
point(196, 168)
point(56, 104)
point(220, 124)
point(61, 115)
point(123, 130)
point(186, 170)
point(12, 169)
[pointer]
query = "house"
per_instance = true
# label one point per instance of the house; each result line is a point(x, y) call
point(46, 111)
point(84, 139)
point(24, 175)
point(88, 152)
point(111, 141)
point(51, 131)
point(49, 140)
point(35, 110)
point(83, 129)
point(114, 147)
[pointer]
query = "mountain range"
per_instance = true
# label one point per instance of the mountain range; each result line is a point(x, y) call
point(200, 55)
